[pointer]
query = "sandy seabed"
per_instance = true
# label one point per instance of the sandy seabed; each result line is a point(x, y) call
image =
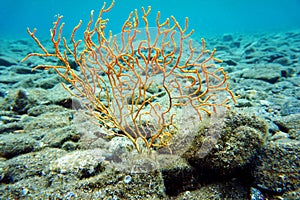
point(44, 156)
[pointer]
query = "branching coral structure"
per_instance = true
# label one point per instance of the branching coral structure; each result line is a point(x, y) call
point(134, 83)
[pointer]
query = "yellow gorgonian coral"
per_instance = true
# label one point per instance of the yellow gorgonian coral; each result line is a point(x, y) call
point(135, 82)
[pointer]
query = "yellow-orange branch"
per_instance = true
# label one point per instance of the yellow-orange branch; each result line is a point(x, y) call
point(116, 74)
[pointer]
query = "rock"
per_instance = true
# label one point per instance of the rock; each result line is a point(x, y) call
point(59, 96)
point(249, 50)
point(119, 185)
point(49, 82)
point(276, 168)
point(265, 73)
point(7, 61)
point(291, 106)
point(256, 194)
point(53, 174)
point(230, 145)
point(82, 164)
point(52, 129)
point(227, 37)
point(70, 146)
point(284, 61)
point(27, 188)
point(180, 176)
point(235, 45)
point(49, 121)
point(11, 127)
point(41, 109)
point(243, 103)
point(291, 194)
point(12, 145)
point(223, 48)
point(290, 124)
point(21, 100)
point(230, 62)
point(225, 190)
point(273, 56)
point(279, 135)
point(31, 164)
point(22, 70)
point(58, 137)
point(229, 162)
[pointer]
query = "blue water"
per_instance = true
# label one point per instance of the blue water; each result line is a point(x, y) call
point(206, 17)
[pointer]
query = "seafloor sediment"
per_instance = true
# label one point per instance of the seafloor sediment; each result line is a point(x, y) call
point(45, 155)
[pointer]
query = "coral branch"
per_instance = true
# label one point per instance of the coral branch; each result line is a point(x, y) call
point(118, 74)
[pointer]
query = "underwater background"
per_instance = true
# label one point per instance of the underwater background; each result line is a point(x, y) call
point(206, 17)
point(250, 151)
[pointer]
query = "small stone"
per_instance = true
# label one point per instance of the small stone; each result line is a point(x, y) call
point(127, 179)
point(249, 50)
point(283, 61)
point(80, 163)
point(235, 45)
point(230, 62)
point(227, 38)
point(6, 61)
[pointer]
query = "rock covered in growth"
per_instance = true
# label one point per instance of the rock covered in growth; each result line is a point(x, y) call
point(218, 190)
point(179, 177)
point(119, 185)
point(226, 143)
point(12, 145)
point(276, 168)
point(21, 101)
point(80, 163)
point(270, 74)
point(290, 124)
point(7, 61)
point(27, 166)
point(83, 174)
